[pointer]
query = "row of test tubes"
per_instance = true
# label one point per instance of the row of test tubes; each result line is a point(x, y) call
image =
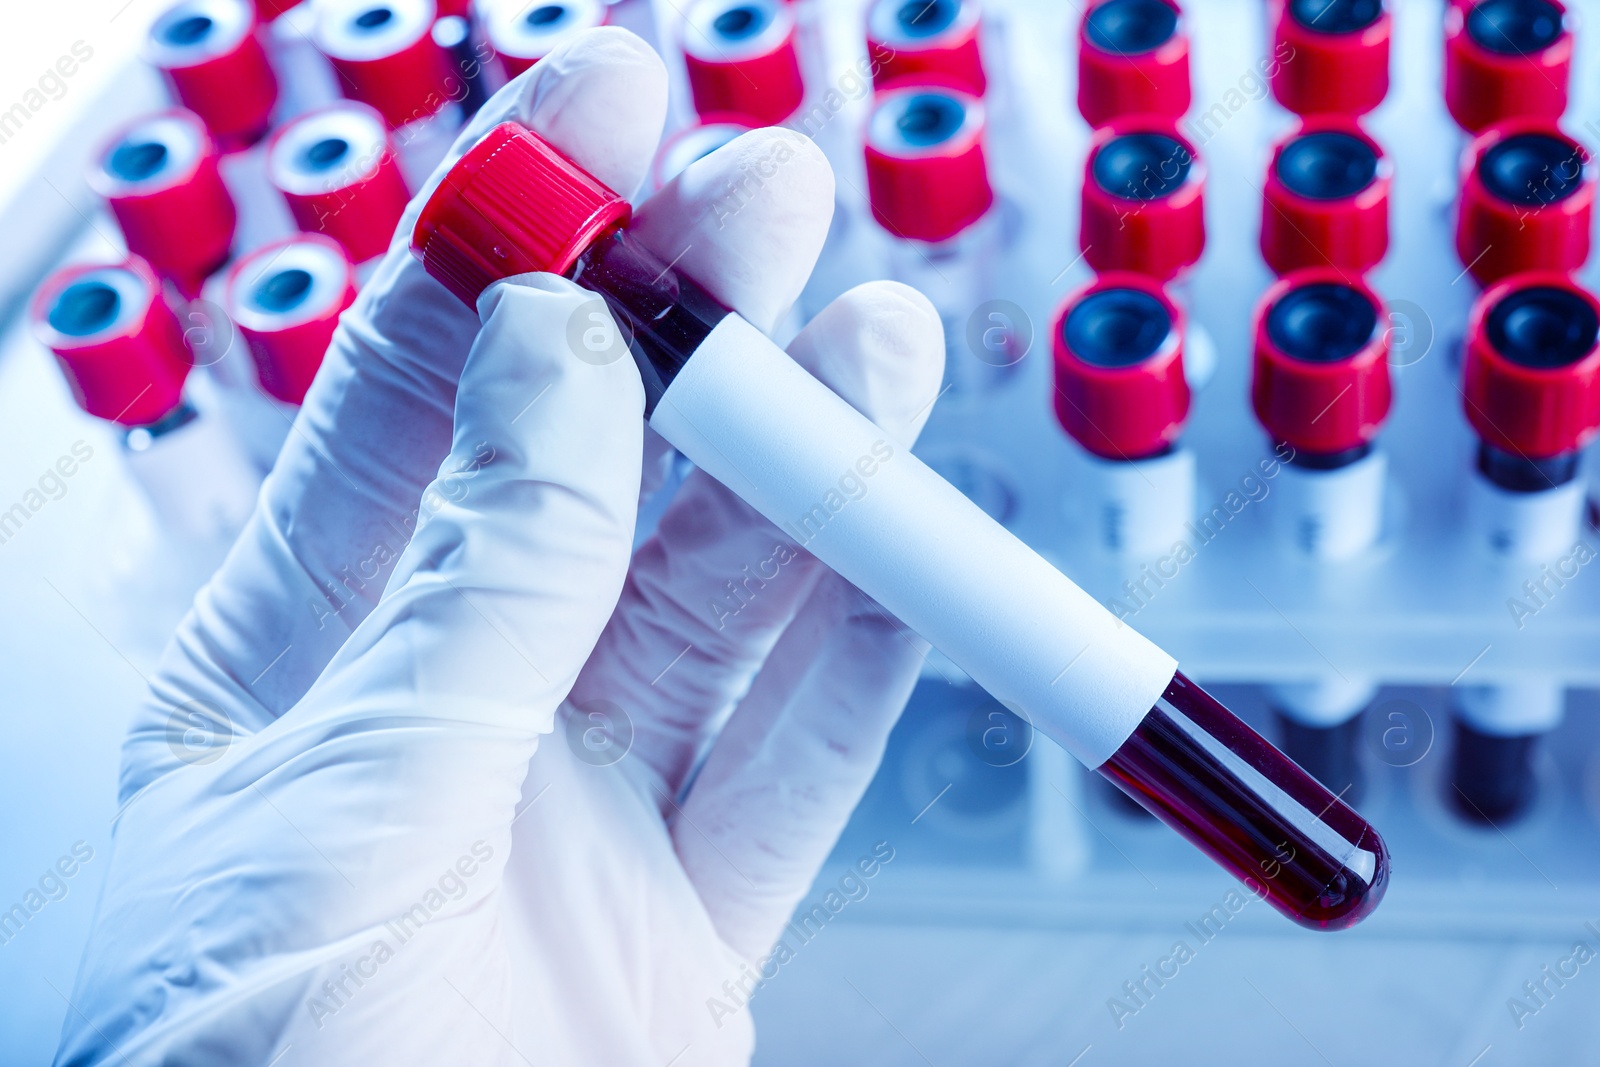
point(261, 202)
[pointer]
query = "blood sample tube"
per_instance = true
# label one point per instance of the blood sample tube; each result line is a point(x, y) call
point(386, 57)
point(928, 185)
point(286, 299)
point(1527, 197)
point(1531, 391)
point(1320, 723)
point(215, 66)
point(1122, 395)
point(1339, 55)
point(521, 34)
point(1133, 59)
point(733, 403)
point(1321, 390)
point(1143, 199)
point(741, 59)
point(336, 168)
point(1326, 198)
point(160, 177)
point(1506, 59)
point(922, 40)
point(469, 80)
point(122, 351)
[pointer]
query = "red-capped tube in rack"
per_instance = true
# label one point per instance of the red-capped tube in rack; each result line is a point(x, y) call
point(1332, 56)
point(1531, 373)
point(927, 178)
point(1321, 369)
point(1527, 198)
point(286, 299)
point(1143, 199)
point(915, 40)
point(215, 66)
point(1118, 346)
point(336, 168)
point(117, 341)
point(161, 179)
point(1326, 198)
point(741, 59)
point(521, 35)
point(1506, 59)
point(386, 57)
point(1133, 59)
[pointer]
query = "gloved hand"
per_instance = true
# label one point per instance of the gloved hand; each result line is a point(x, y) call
point(347, 834)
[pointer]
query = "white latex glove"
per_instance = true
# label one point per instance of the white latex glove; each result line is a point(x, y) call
point(341, 838)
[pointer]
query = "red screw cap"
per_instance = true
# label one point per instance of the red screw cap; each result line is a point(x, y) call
point(215, 66)
point(511, 205)
point(1321, 380)
point(1527, 195)
point(160, 176)
point(1120, 389)
point(336, 168)
point(267, 10)
point(1326, 198)
point(927, 177)
point(1506, 59)
point(116, 340)
point(915, 40)
point(1335, 55)
point(385, 56)
point(523, 34)
point(1531, 375)
point(286, 298)
point(1143, 199)
point(741, 60)
point(1133, 59)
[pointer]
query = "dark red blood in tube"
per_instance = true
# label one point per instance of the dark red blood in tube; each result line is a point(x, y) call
point(1217, 782)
